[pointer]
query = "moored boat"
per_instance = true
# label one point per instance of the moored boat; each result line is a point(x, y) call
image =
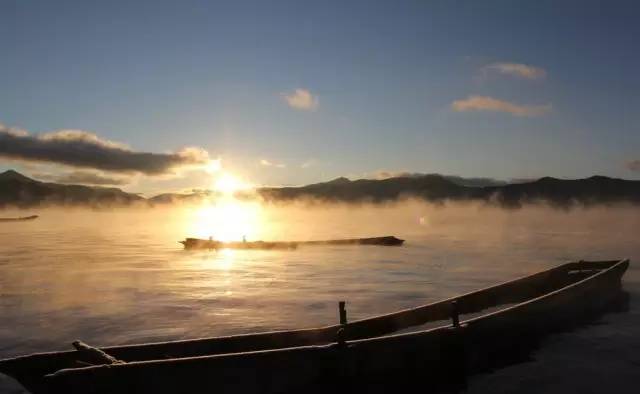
point(19, 219)
point(365, 353)
point(195, 243)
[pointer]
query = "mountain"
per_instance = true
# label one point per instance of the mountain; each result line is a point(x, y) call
point(21, 191)
point(595, 190)
point(428, 187)
point(438, 188)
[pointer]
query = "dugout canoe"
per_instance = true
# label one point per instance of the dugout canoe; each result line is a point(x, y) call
point(363, 355)
point(19, 219)
point(195, 243)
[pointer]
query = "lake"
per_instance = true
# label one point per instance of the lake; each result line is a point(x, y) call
point(112, 277)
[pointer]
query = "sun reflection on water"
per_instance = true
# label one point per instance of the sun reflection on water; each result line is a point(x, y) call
point(226, 259)
point(227, 220)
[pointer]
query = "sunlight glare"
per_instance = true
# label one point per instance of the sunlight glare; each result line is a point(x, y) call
point(228, 184)
point(213, 166)
point(227, 220)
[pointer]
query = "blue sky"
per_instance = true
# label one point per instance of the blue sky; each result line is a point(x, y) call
point(376, 84)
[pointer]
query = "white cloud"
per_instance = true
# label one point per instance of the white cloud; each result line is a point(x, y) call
point(267, 163)
point(518, 70)
point(309, 163)
point(301, 99)
point(485, 103)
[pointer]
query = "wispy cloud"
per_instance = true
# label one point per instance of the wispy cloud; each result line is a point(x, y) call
point(485, 103)
point(301, 99)
point(309, 163)
point(83, 149)
point(517, 70)
point(84, 178)
point(267, 163)
point(633, 165)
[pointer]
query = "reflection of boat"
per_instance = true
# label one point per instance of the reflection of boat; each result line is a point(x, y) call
point(360, 353)
point(195, 243)
point(20, 219)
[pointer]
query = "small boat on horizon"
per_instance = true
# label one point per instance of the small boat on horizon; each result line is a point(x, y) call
point(368, 355)
point(195, 243)
point(19, 219)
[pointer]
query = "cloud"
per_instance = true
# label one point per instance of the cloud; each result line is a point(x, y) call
point(82, 149)
point(267, 163)
point(309, 163)
point(386, 174)
point(13, 131)
point(83, 178)
point(301, 99)
point(633, 165)
point(517, 70)
point(485, 103)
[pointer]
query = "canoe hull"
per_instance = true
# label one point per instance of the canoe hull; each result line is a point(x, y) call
point(195, 243)
point(443, 355)
point(20, 219)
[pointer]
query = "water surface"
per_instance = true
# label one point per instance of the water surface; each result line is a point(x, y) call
point(117, 277)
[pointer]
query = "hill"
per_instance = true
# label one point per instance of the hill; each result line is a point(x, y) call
point(437, 188)
point(21, 191)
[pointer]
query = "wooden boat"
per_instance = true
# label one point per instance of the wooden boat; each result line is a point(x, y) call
point(195, 243)
point(365, 355)
point(20, 219)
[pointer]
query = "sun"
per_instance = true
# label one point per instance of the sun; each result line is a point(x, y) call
point(228, 184)
point(213, 166)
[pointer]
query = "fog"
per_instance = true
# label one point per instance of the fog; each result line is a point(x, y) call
point(116, 276)
point(231, 219)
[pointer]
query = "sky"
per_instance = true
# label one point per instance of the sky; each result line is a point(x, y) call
point(166, 95)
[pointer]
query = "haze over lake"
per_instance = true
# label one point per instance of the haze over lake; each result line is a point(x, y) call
point(119, 276)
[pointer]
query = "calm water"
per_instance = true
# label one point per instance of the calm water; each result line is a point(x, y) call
point(116, 277)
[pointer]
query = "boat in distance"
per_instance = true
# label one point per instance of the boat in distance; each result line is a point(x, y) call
point(19, 219)
point(195, 243)
point(366, 355)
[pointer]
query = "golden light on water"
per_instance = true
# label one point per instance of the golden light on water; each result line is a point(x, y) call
point(226, 262)
point(227, 220)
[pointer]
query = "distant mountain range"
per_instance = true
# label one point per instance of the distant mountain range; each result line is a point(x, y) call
point(438, 188)
point(21, 191)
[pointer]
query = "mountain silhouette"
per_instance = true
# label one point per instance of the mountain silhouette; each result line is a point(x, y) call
point(21, 191)
point(438, 188)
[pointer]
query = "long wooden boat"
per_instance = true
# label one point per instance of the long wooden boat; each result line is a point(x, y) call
point(365, 355)
point(195, 243)
point(20, 219)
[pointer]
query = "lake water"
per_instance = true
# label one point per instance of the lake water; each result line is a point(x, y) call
point(112, 277)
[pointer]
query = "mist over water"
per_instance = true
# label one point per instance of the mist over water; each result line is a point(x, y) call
point(113, 277)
